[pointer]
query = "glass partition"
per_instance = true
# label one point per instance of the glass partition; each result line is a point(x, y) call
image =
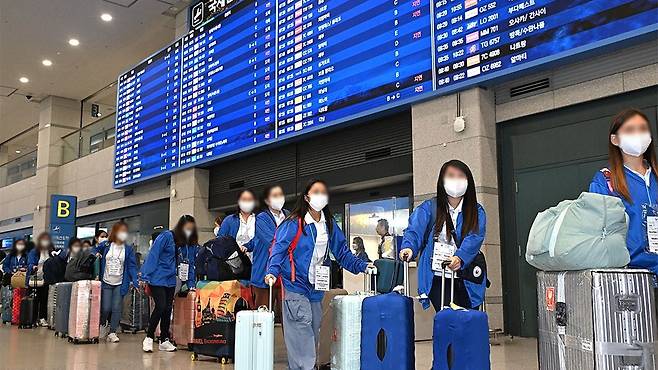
point(18, 169)
point(18, 156)
point(90, 139)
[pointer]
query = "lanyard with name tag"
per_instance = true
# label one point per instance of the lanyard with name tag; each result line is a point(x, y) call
point(442, 252)
point(114, 266)
point(183, 267)
point(651, 222)
point(323, 272)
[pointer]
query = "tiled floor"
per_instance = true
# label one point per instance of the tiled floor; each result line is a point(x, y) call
point(40, 349)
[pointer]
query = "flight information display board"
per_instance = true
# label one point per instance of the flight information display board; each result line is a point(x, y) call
point(266, 70)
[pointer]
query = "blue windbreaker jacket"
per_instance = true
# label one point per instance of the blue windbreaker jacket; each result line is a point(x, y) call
point(160, 267)
point(265, 229)
point(230, 227)
point(419, 237)
point(129, 266)
point(12, 263)
point(279, 263)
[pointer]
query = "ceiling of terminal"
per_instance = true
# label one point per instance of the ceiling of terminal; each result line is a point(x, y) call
point(39, 55)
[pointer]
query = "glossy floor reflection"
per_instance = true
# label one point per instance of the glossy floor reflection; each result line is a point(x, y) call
point(40, 349)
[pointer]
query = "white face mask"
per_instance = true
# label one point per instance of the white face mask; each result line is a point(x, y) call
point(20, 247)
point(455, 187)
point(100, 240)
point(634, 144)
point(246, 206)
point(318, 201)
point(216, 231)
point(188, 233)
point(277, 203)
point(122, 236)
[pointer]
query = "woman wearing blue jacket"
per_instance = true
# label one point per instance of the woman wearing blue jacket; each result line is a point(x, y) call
point(16, 259)
point(242, 225)
point(631, 176)
point(450, 227)
point(43, 250)
point(301, 257)
point(266, 224)
point(172, 255)
point(118, 270)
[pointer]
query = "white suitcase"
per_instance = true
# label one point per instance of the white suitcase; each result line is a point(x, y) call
point(254, 339)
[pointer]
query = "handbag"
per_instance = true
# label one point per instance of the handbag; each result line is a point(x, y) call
point(18, 279)
point(36, 281)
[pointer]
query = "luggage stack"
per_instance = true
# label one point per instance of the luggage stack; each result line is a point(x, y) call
point(597, 319)
point(50, 309)
point(62, 309)
point(84, 315)
point(182, 326)
point(7, 298)
point(135, 313)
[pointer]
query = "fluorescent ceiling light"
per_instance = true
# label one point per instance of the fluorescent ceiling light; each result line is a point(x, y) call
point(74, 42)
point(47, 62)
point(24, 79)
point(106, 17)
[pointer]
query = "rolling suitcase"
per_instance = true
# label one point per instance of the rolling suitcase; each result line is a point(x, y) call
point(346, 336)
point(327, 328)
point(27, 308)
point(597, 319)
point(214, 322)
point(389, 274)
point(254, 339)
point(135, 311)
point(84, 314)
point(7, 300)
point(182, 326)
point(461, 336)
point(17, 295)
point(50, 309)
point(387, 330)
point(62, 309)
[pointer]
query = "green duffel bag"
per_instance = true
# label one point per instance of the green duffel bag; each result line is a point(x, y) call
point(586, 233)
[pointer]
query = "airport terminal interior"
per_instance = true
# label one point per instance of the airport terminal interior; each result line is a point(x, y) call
point(316, 145)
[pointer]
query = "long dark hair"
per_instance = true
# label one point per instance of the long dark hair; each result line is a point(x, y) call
point(179, 235)
point(617, 175)
point(469, 206)
point(14, 251)
point(302, 207)
point(268, 190)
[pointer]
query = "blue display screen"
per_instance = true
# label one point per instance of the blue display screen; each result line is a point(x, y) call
point(266, 70)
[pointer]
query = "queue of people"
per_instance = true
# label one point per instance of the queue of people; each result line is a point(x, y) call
point(290, 249)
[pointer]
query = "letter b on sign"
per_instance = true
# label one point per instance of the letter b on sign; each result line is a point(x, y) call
point(63, 209)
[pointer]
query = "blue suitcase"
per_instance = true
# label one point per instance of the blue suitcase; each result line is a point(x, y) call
point(461, 337)
point(387, 331)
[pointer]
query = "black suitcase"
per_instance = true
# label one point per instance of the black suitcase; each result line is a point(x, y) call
point(27, 318)
point(62, 308)
point(136, 311)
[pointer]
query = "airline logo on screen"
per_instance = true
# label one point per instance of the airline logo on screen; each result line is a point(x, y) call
point(205, 10)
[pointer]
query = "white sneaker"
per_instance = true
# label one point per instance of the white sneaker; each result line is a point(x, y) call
point(43, 322)
point(113, 338)
point(167, 346)
point(147, 345)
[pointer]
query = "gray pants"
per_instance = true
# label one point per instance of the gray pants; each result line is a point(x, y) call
point(301, 320)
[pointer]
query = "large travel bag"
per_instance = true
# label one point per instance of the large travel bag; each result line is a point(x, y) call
point(28, 311)
point(327, 328)
point(461, 336)
point(220, 259)
point(214, 323)
point(597, 320)
point(50, 308)
point(254, 339)
point(7, 300)
point(84, 314)
point(63, 307)
point(182, 326)
point(387, 330)
point(389, 274)
point(80, 267)
point(54, 270)
point(346, 338)
point(135, 311)
point(589, 232)
point(17, 295)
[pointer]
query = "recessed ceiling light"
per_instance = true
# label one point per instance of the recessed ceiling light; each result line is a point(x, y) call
point(173, 8)
point(106, 17)
point(24, 79)
point(74, 42)
point(18, 152)
point(47, 62)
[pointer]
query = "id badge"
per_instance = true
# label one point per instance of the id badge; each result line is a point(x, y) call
point(183, 271)
point(322, 278)
point(652, 233)
point(114, 267)
point(442, 252)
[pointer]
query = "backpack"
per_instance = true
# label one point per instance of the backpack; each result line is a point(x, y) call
point(80, 267)
point(54, 270)
point(220, 259)
point(586, 233)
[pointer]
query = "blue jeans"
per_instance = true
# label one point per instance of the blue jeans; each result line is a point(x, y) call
point(111, 306)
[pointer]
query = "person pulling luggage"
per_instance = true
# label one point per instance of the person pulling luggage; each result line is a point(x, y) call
point(449, 227)
point(300, 256)
point(118, 274)
point(172, 255)
point(631, 177)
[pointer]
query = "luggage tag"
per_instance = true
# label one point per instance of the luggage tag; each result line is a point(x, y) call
point(650, 213)
point(442, 252)
point(323, 274)
point(183, 269)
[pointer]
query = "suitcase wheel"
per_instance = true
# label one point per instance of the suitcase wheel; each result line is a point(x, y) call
point(95, 341)
point(70, 340)
point(224, 360)
point(194, 356)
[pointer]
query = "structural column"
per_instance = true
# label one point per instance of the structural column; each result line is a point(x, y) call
point(57, 117)
point(189, 196)
point(435, 140)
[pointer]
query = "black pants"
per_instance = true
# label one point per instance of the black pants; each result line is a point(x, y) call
point(461, 295)
point(41, 302)
point(164, 302)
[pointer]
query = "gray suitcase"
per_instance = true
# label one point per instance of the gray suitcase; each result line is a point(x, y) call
point(135, 312)
point(597, 320)
point(50, 309)
point(7, 302)
point(61, 315)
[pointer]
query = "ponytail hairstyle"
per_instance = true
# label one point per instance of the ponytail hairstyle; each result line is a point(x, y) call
point(469, 206)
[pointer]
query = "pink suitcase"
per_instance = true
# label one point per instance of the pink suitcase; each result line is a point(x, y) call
point(84, 314)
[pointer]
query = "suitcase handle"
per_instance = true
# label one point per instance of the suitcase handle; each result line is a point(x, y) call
point(271, 285)
point(444, 265)
point(368, 278)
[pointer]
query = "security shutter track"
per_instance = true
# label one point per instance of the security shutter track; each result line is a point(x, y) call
point(544, 159)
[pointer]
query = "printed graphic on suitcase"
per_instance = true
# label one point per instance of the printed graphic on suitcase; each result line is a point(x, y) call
point(597, 319)
point(84, 315)
point(135, 311)
point(183, 324)
point(17, 297)
point(62, 309)
point(50, 309)
point(217, 304)
point(7, 303)
point(327, 327)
